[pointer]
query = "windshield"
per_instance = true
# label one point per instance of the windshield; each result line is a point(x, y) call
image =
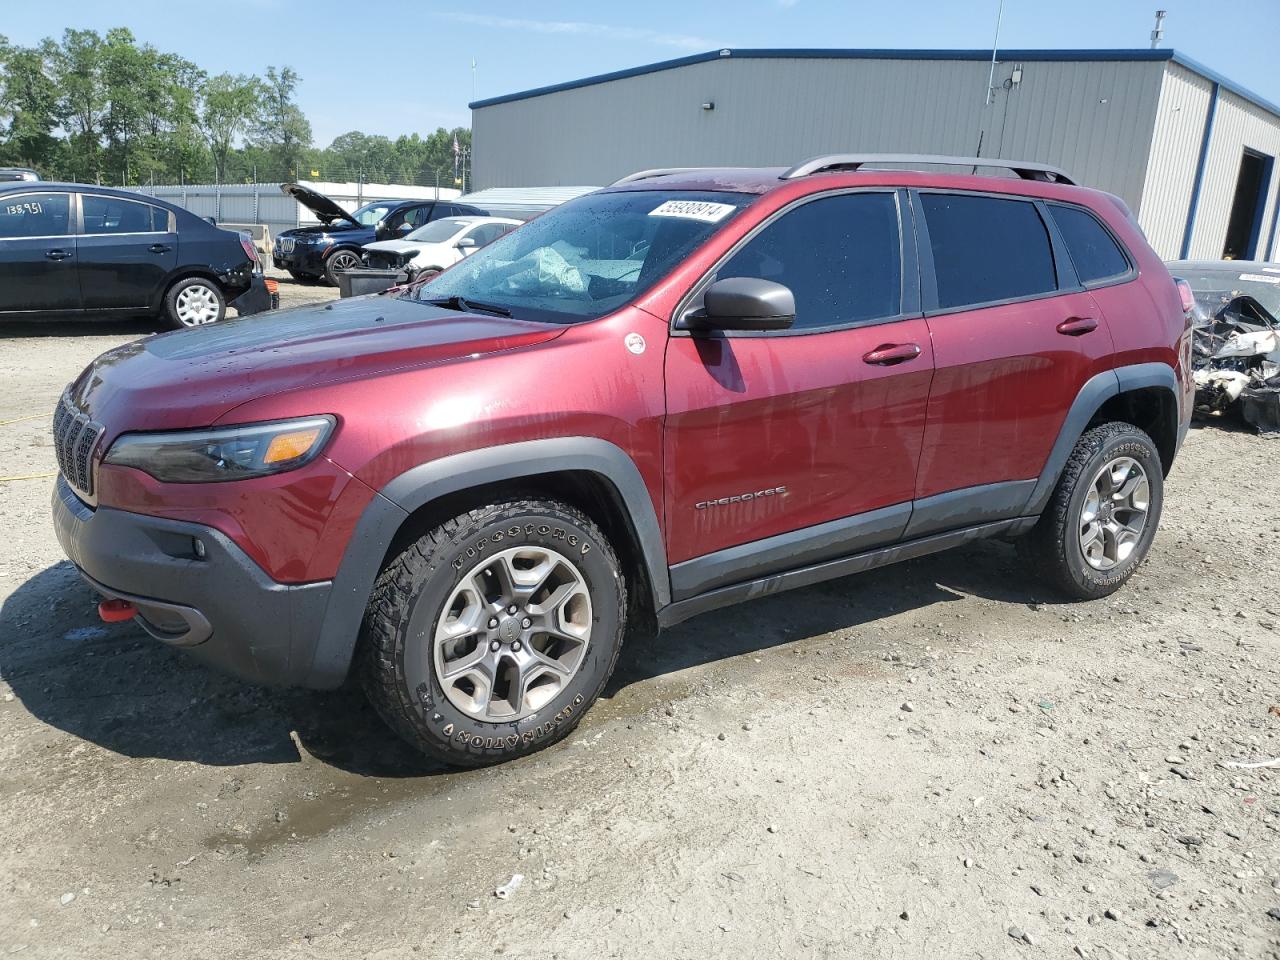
point(590, 256)
point(371, 213)
point(437, 231)
point(1215, 288)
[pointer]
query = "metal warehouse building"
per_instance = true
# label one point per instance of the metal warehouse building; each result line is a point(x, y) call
point(1191, 153)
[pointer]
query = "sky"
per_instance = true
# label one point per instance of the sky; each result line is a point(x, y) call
point(400, 66)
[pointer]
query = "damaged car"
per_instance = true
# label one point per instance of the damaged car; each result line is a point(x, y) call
point(324, 250)
point(1235, 338)
point(440, 244)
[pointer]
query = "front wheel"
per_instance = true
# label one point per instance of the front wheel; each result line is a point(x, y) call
point(490, 636)
point(340, 261)
point(1102, 516)
point(194, 302)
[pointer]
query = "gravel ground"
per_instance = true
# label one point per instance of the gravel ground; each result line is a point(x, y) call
point(933, 760)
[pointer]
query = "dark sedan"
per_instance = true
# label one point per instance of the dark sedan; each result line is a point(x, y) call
point(77, 249)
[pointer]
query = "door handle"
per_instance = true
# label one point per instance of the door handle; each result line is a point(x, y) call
point(159, 248)
point(57, 255)
point(1077, 326)
point(890, 353)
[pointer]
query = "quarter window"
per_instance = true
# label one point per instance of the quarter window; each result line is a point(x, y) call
point(113, 215)
point(986, 249)
point(840, 256)
point(33, 215)
point(1094, 253)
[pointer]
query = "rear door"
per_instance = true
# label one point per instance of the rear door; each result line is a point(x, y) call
point(1015, 337)
point(37, 253)
point(127, 250)
point(774, 433)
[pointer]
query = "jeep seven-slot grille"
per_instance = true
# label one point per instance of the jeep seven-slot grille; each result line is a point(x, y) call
point(74, 438)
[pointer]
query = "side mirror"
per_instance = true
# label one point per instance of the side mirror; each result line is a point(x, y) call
point(744, 303)
point(466, 243)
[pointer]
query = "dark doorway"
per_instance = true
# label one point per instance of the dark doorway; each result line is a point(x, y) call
point(1248, 207)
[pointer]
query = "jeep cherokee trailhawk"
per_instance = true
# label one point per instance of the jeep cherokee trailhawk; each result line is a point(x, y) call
point(695, 387)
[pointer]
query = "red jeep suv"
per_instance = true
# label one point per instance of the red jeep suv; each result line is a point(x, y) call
point(695, 387)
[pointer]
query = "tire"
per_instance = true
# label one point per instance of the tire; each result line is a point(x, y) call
point(477, 717)
point(1056, 549)
point(194, 302)
point(339, 260)
point(427, 273)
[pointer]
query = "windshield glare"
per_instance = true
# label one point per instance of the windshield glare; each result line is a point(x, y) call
point(590, 256)
point(437, 231)
point(371, 213)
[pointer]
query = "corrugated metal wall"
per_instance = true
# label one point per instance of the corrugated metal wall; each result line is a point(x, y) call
point(1093, 118)
point(1237, 124)
point(1175, 153)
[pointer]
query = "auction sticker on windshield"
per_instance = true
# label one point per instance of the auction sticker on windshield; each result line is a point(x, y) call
point(693, 210)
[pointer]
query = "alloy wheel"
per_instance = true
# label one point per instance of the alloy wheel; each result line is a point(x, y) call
point(512, 634)
point(1115, 513)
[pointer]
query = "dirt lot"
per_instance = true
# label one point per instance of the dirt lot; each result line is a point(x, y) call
point(933, 760)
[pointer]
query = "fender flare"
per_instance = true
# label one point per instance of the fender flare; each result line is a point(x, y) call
point(421, 485)
point(1096, 391)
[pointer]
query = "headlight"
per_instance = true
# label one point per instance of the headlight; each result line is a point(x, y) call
point(225, 453)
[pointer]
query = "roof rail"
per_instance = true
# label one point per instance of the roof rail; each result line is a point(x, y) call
point(657, 172)
point(852, 161)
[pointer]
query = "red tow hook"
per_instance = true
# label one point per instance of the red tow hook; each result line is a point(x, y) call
point(116, 611)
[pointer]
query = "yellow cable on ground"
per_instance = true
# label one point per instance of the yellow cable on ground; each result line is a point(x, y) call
point(34, 416)
point(29, 476)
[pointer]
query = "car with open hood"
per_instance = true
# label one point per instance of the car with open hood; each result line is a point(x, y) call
point(334, 244)
point(437, 246)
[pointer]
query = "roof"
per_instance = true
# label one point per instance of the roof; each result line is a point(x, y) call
point(1026, 56)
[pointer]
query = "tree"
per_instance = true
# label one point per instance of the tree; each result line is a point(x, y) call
point(76, 70)
point(232, 104)
point(281, 127)
point(28, 102)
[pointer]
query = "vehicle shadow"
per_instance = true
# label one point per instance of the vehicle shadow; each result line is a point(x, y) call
point(79, 327)
point(116, 687)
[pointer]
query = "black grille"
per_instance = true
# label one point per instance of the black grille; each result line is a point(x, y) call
point(74, 439)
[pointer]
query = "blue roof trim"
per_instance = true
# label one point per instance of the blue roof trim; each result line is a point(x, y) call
point(1028, 56)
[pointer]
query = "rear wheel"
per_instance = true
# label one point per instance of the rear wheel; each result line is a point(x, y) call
point(194, 302)
point(492, 634)
point(338, 262)
point(1103, 515)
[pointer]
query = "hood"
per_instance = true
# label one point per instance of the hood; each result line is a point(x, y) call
point(318, 203)
point(191, 378)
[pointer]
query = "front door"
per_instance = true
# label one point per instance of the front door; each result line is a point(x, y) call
point(127, 251)
point(1015, 337)
point(37, 253)
point(777, 433)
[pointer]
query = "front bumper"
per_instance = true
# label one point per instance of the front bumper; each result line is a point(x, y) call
point(257, 299)
point(222, 607)
point(303, 258)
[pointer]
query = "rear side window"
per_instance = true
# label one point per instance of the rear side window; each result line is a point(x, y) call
point(987, 249)
point(1094, 253)
point(33, 215)
point(841, 257)
point(113, 215)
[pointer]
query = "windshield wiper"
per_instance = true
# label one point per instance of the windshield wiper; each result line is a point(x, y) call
point(456, 302)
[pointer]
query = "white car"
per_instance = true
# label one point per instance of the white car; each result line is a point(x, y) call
point(437, 245)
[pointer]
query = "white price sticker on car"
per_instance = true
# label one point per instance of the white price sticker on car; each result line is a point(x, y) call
point(702, 210)
point(1259, 278)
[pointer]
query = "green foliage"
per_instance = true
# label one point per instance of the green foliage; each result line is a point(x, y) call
point(103, 108)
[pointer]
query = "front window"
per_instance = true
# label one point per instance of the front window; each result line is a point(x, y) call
point(371, 213)
point(590, 256)
point(438, 231)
